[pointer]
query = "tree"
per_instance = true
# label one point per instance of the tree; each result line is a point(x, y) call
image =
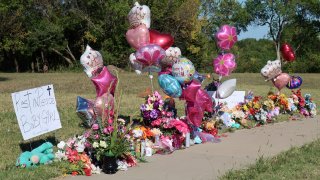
point(12, 30)
point(280, 14)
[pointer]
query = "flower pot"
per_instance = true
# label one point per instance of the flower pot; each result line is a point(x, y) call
point(109, 165)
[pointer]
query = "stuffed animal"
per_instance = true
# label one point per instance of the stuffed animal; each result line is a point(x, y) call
point(40, 155)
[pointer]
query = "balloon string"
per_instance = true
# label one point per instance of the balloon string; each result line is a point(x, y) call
point(151, 82)
point(217, 97)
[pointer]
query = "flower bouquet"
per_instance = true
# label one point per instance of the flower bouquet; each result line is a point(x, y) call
point(107, 140)
point(73, 152)
point(152, 109)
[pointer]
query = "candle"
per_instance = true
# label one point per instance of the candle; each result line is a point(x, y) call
point(187, 140)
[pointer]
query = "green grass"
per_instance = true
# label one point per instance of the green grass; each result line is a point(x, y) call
point(297, 163)
point(68, 86)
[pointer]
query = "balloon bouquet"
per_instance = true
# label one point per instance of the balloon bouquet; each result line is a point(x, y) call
point(272, 70)
point(150, 44)
point(225, 63)
point(105, 84)
point(177, 75)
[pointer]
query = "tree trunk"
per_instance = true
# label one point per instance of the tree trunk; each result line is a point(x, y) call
point(64, 57)
point(32, 67)
point(70, 53)
point(16, 64)
point(278, 50)
point(38, 64)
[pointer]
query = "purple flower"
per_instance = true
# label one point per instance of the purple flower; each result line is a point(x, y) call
point(146, 114)
point(156, 105)
point(143, 107)
point(154, 114)
point(95, 127)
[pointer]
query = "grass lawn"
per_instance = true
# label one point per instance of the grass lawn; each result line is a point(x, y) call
point(297, 163)
point(68, 86)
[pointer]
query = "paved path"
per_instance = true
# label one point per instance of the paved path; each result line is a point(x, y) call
point(211, 160)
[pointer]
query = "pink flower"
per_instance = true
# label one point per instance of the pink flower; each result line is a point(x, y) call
point(156, 122)
point(226, 37)
point(110, 129)
point(224, 64)
point(87, 134)
point(97, 136)
point(87, 144)
point(95, 127)
point(110, 121)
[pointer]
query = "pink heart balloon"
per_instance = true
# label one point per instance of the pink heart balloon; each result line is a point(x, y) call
point(138, 37)
point(224, 64)
point(150, 54)
point(104, 81)
point(226, 37)
point(281, 81)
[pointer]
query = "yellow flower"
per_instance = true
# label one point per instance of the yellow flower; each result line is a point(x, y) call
point(95, 145)
point(103, 144)
point(149, 107)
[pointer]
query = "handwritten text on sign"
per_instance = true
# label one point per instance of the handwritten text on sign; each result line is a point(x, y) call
point(36, 111)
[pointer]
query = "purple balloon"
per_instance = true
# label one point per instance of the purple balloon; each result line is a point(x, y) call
point(295, 82)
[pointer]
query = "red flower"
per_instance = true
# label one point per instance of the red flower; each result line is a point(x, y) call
point(72, 155)
point(252, 111)
point(87, 171)
point(74, 173)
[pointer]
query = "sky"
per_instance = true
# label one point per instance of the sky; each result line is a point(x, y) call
point(257, 32)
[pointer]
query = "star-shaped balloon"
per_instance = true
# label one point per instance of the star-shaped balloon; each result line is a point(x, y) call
point(85, 111)
point(189, 93)
point(105, 82)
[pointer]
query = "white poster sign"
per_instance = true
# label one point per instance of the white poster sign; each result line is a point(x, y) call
point(36, 111)
point(234, 99)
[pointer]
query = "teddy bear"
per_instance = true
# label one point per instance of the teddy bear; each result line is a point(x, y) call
point(40, 155)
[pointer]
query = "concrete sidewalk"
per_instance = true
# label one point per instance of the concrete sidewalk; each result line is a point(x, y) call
point(211, 160)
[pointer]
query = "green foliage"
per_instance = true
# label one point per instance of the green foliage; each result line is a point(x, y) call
point(34, 33)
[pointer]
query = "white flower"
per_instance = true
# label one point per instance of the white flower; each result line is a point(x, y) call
point(80, 147)
point(95, 169)
point(122, 166)
point(61, 145)
point(156, 131)
point(121, 121)
point(103, 144)
point(59, 155)
point(95, 145)
point(137, 133)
